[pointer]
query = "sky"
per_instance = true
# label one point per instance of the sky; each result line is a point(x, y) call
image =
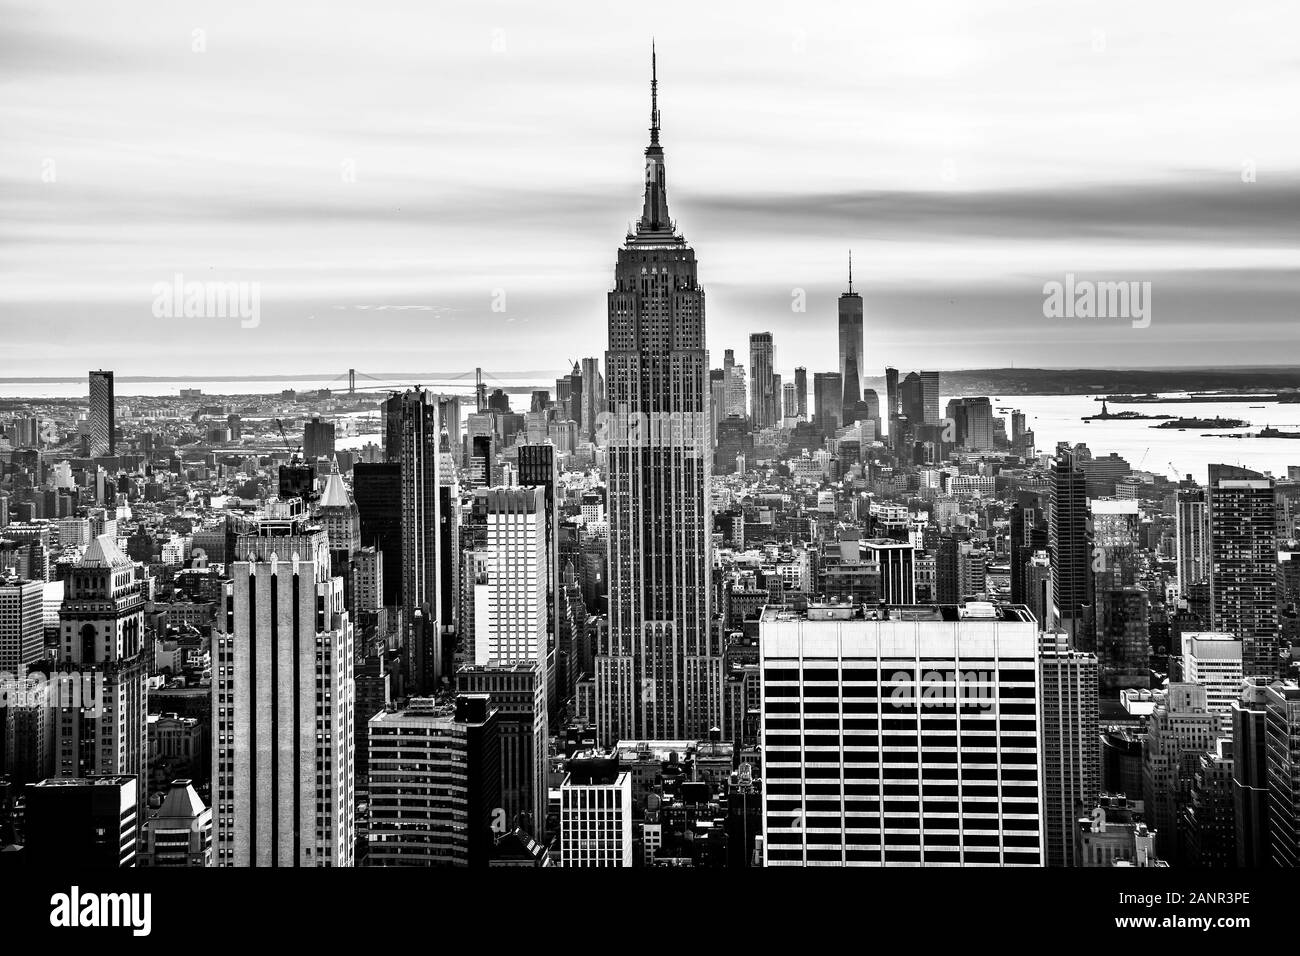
point(414, 186)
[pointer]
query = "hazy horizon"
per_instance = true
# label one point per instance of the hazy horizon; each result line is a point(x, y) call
point(558, 371)
point(448, 186)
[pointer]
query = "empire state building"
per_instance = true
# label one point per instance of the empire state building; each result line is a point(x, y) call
point(660, 675)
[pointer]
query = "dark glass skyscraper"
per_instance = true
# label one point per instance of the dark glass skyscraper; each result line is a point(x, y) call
point(801, 392)
point(762, 398)
point(828, 401)
point(850, 326)
point(1070, 546)
point(412, 439)
point(658, 677)
point(102, 414)
point(377, 490)
point(1243, 565)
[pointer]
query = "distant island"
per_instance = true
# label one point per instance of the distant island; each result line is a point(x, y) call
point(1106, 415)
point(1199, 398)
point(1215, 422)
point(1266, 432)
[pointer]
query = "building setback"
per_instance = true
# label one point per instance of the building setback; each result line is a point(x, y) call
point(661, 658)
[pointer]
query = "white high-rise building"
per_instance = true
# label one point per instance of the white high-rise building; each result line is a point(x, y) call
point(901, 736)
point(1213, 660)
point(510, 578)
point(596, 813)
point(283, 768)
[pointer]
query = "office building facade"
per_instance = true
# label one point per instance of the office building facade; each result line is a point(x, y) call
point(902, 737)
point(283, 765)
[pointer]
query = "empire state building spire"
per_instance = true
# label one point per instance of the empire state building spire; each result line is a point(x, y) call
point(654, 213)
point(660, 666)
point(654, 97)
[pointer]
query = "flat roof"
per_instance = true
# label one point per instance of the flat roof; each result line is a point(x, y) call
point(970, 611)
point(112, 780)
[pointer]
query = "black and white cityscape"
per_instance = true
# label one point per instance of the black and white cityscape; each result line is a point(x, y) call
point(376, 489)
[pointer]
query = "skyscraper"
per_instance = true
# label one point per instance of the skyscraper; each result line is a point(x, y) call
point(930, 397)
point(972, 420)
point(891, 400)
point(901, 739)
point(1070, 745)
point(539, 469)
point(1243, 566)
point(1250, 786)
point(1213, 660)
point(1282, 746)
point(103, 414)
point(340, 520)
point(717, 400)
point(593, 398)
point(801, 392)
point(735, 385)
point(84, 822)
point(412, 439)
point(377, 487)
point(596, 813)
point(317, 439)
point(1193, 551)
point(1028, 536)
point(828, 401)
point(1069, 543)
point(21, 630)
point(789, 402)
point(850, 333)
point(1180, 729)
point(283, 765)
point(897, 568)
point(660, 530)
point(510, 586)
point(101, 625)
point(518, 692)
point(762, 394)
point(911, 400)
point(1206, 830)
point(435, 782)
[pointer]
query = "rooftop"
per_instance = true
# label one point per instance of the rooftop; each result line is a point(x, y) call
point(104, 553)
point(970, 611)
point(108, 780)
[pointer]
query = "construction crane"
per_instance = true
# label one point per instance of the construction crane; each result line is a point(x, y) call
point(288, 445)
